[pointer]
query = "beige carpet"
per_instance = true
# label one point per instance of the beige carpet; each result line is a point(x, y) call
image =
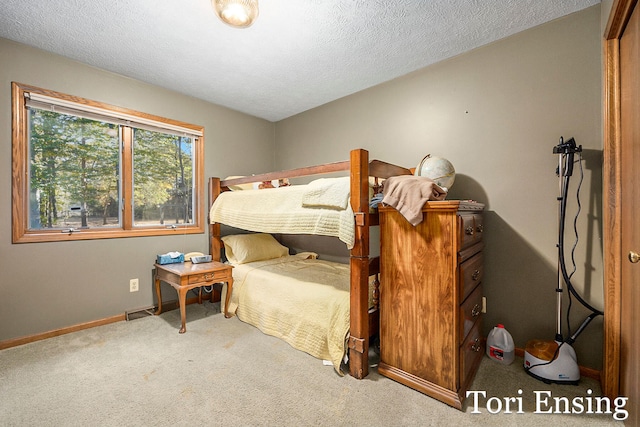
point(225, 372)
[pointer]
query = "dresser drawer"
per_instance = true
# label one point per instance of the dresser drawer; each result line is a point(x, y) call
point(471, 273)
point(471, 352)
point(208, 277)
point(470, 311)
point(470, 230)
point(478, 223)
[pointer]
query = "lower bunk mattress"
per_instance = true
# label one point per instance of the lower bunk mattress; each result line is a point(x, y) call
point(300, 299)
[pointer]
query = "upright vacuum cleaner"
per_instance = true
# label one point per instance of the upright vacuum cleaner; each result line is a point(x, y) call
point(555, 361)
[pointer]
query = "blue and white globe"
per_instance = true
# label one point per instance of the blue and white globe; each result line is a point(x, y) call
point(438, 169)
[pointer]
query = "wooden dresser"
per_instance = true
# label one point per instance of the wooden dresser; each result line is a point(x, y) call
point(431, 298)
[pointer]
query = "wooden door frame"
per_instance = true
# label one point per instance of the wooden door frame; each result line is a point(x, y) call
point(612, 176)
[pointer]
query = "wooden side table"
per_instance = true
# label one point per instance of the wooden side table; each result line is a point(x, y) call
point(186, 276)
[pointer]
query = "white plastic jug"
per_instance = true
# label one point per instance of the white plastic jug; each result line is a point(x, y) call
point(500, 345)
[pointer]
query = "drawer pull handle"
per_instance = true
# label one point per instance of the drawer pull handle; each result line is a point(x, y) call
point(208, 276)
point(475, 275)
point(475, 311)
point(480, 228)
point(469, 230)
point(476, 345)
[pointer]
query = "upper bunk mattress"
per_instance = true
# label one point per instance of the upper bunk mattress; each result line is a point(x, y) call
point(319, 208)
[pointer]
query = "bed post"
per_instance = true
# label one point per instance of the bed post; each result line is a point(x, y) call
point(215, 245)
point(359, 266)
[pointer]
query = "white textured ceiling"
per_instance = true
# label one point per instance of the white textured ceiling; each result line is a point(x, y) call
point(299, 54)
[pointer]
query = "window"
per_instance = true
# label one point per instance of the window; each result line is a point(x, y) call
point(87, 170)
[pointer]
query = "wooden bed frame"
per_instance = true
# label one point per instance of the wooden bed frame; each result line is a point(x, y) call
point(363, 321)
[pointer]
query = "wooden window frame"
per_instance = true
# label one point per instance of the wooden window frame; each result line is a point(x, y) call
point(21, 233)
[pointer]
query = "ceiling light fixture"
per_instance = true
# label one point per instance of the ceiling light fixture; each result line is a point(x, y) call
point(237, 13)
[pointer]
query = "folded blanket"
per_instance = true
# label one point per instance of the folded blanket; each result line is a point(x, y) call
point(331, 193)
point(409, 193)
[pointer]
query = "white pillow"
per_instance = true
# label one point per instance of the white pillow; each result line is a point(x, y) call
point(243, 248)
point(239, 187)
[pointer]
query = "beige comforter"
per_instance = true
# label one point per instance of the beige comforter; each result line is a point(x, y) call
point(303, 301)
point(320, 208)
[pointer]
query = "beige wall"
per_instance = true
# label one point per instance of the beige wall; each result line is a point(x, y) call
point(46, 286)
point(496, 113)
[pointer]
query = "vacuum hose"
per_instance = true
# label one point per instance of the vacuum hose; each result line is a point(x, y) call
point(568, 149)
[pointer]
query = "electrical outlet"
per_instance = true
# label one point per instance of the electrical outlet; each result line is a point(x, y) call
point(133, 285)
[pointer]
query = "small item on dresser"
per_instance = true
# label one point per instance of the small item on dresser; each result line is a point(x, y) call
point(170, 258)
point(500, 345)
point(376, 200)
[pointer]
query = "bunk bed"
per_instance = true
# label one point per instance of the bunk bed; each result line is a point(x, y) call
point(362, 173)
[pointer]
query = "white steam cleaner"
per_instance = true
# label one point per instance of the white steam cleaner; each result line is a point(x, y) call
point(555, 361)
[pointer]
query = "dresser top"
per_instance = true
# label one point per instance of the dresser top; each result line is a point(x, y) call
point(446, 205)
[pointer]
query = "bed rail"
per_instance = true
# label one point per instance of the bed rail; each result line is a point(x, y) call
point(377, 168)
